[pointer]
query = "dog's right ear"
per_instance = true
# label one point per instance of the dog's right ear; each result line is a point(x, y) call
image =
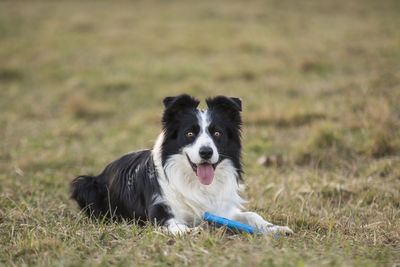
point(176, 105)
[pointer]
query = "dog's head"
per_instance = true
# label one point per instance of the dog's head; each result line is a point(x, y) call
point(203, 138)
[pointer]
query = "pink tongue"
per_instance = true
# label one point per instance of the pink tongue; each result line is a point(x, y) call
point(205, 172)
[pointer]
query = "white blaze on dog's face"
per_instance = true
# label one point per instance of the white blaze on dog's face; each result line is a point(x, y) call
point(201, 139)
point(203, 149)
point(202, 153)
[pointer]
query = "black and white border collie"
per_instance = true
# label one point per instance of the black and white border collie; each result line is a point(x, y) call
point(193, 168)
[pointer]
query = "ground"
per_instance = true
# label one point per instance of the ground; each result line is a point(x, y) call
point(81, 83)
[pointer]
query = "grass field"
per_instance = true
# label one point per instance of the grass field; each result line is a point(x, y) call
point(81, 83)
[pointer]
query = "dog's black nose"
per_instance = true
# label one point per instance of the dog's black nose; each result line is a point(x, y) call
point(205, 152)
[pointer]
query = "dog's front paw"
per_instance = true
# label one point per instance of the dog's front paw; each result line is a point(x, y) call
point(177, 229)
point(274, 229)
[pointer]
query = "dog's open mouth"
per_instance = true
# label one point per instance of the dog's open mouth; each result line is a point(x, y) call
point(204, 171)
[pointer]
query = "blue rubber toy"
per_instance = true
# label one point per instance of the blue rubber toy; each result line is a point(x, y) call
point(233, 225)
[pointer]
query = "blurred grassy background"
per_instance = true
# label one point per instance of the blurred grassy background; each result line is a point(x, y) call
point(81, 83)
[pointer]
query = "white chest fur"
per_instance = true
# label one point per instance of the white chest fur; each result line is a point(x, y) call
point(189, 199)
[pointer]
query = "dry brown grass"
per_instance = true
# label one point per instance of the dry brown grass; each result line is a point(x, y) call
point(81, 83)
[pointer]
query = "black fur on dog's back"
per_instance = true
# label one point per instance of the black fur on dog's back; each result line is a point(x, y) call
point(127, 188)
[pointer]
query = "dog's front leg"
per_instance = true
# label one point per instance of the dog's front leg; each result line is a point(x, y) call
point(253, 219)
point(158, 212)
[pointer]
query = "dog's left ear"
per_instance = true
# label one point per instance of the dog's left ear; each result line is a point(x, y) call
point(230, 106)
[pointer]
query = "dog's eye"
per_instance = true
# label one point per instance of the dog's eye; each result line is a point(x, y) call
point(216, 133)
point(189, 134)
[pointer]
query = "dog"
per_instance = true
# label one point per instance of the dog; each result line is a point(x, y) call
point(194, 167)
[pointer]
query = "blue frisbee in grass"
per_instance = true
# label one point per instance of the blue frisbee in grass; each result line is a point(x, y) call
point(233, 225)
